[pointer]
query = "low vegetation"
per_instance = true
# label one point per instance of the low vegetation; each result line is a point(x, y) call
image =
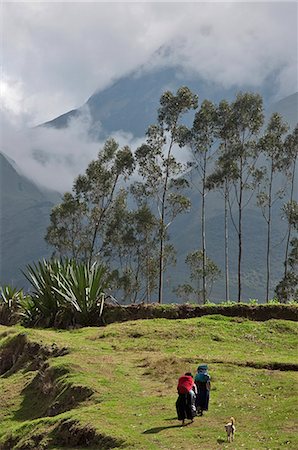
point(115, 386)
point(67, 294)
point(63, 293)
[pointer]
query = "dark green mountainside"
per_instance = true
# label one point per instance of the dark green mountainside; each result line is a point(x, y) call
point(25, 210)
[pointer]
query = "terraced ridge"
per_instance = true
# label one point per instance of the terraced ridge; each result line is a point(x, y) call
point(46, 392)
point(115, 386)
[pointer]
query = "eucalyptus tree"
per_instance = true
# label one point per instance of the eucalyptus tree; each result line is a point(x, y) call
point(198, 272)
point(248, 118)
point(147, 230)
point(290, 155)
point(201, 139)
point(287, 288)
point(77, 226)
point(225, 171)
point(68, 231)
point(131, 245)
point(272, 146)
point(159, 167)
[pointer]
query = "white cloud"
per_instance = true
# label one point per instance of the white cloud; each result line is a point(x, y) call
point(62, 52)
point(55, 55)
point(53, 158)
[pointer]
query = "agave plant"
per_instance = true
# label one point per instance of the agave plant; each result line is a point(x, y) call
point(43, 277)
point(10, 303)
point(28, 312)
point(83, 287)
point(10, 295)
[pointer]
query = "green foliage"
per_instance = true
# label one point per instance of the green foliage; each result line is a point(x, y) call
point(44, 279)
point(194, 261)
point(273, 301)
point(83, 289)
point(290, 212)
point(253, 301)
point(229, 303)
point(29, 313)
point(287, 288)
point(10, 295)
point(11, 300)
point(132, 241)
point(159, 168)
point(78, 224)
point(65, 292)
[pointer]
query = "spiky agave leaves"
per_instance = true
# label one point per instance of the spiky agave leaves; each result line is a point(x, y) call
point(66, 292)
point(43, 277)
point(10, 304)
point(84, 289)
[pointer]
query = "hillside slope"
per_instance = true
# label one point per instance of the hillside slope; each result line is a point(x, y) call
point(130, 104)
point(115, 387)
point(25, 210)
point(288, 108)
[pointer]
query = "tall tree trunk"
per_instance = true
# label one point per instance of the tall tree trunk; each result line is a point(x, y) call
point(162, 227)
point(203, 220)
point(240, 229)
point(99, 220)
point(147, 276)
point(161, 268)
point(290, 224)
point(199, 301)
point(269, 234)
point(227, 281)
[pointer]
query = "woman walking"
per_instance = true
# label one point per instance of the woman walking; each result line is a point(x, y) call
point(202, 381)
point(185, 400)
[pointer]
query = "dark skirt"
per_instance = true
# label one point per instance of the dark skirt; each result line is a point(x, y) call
point(202, 398)
point(183, 407)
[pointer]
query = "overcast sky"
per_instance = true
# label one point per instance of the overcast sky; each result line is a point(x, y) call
point(55, 55)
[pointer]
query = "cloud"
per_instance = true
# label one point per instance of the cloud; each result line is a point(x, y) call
point(60, 53)
point(55, 55)
point(51, 157)
point(237, 44)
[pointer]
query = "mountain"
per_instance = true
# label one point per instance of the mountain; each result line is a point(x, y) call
point(130, 104)
point(288, 108)
point(25, 210)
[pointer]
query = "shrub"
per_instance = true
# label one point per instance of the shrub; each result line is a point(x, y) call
point(65, 293)
point(46, 301)
point(83, 288)
point(253, 301)
point(10, 304)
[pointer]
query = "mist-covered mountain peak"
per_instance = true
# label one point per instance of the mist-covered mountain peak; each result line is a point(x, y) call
point(130, 103)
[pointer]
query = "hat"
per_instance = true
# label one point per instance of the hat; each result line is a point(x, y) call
point(189, 374)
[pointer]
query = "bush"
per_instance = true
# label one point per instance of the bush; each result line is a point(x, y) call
point(46, 301)
point(10, 304)
point(65, 293)
point(83, 289)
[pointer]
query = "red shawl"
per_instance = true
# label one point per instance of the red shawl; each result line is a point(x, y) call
point(185, 384)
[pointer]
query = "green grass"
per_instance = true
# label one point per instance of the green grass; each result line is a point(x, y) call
point(133, 369)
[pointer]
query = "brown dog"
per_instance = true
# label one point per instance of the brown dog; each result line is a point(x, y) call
point(230, 429)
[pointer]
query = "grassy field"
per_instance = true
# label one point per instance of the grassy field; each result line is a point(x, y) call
point(131, 370)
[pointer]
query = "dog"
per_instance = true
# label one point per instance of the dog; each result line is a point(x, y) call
point(230, 429)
